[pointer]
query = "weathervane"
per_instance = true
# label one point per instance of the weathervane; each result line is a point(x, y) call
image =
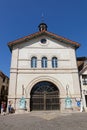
point(42, 17)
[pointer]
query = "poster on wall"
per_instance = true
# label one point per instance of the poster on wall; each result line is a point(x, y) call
point(22, 103)
point(68, 102)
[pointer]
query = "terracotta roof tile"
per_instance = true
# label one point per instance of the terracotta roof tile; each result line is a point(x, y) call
point(52, 35)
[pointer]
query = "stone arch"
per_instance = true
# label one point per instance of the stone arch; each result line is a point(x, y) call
point(45, 78)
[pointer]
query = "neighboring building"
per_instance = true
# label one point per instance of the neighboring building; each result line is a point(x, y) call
point(82, 67)
point(4, 84)
point(44, 72)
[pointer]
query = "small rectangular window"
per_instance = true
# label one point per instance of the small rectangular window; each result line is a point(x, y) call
point(84, 79)
point(4, 79)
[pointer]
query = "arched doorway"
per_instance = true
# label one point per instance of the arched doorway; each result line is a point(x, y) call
point(44, 96)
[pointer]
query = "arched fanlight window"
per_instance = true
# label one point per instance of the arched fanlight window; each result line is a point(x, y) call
point(34, 62)
point(54, 62)
point(44, 62)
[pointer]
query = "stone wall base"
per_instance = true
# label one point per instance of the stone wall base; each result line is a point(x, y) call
point(15, 105)
point(21, 111)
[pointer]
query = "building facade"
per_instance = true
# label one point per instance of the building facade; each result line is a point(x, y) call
point(4, 84)
point(44, 72)
point(82, 67)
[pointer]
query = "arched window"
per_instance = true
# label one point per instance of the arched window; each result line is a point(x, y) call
point(33, 62)
point(54, 62)
point(44, 62)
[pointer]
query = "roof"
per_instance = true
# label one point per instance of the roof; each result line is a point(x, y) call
point(81, 63)
point(3, 75)
point(40, 33)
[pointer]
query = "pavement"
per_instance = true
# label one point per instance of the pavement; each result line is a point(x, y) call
point(44, 120)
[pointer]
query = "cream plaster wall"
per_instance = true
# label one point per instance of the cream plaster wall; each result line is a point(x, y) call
point(27, 79)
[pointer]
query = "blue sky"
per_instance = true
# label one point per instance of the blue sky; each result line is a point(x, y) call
point(19, 18)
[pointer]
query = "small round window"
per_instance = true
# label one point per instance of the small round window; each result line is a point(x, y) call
point(43, 41)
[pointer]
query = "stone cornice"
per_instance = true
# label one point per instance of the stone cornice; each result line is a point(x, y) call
point(44, 71)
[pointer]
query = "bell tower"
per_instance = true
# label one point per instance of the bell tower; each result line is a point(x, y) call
point(42, 27)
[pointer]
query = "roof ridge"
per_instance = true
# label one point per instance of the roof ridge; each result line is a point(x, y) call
point(52, 35)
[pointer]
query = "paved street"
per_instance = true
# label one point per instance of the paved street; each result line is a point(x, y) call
point(44, 121)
